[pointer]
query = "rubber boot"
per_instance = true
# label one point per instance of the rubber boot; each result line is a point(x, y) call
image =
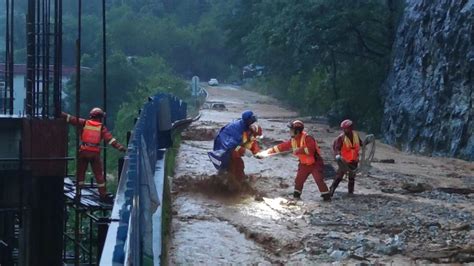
point(297, 195)
point(326, 197)
point(350, 186)
point(334, 185)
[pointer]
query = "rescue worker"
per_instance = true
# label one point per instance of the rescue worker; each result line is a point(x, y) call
point(228, 138)
point(307, 150)
point(93, 132)
point(249, 147)
point(346, 151)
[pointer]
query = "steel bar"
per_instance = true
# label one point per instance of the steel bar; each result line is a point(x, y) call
point(30, 61)
point(78, 129)
point(104, 79)
point(7, 54)
point(11, 55)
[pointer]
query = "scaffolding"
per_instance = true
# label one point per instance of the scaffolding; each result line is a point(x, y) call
point(41, 222)
point(92, 220)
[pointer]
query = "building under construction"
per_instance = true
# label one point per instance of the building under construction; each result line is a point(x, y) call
point(32, 171)
point(41, 221)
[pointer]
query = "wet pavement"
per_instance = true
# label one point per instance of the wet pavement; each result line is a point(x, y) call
point(401, 213)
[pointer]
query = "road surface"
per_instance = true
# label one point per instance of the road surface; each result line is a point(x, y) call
point(417, 209)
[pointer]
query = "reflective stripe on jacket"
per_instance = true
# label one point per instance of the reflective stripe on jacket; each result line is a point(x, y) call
point(306, 157)
point(91, 136)
point(350, 149)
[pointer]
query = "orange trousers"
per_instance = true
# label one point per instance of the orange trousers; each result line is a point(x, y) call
point(93, 158)
point(317, 170)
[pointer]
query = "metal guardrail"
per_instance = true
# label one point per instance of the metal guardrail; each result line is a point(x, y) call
point(134, 235)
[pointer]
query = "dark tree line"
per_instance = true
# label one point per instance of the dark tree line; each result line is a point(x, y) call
point(323, 57)
point(327, 57)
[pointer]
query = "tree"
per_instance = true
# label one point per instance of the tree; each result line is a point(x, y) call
point(323, 53)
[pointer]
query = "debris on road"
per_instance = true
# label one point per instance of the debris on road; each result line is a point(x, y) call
point(408, 209)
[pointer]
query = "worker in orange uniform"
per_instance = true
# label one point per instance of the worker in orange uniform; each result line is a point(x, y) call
point(307, 150)
point(346, 151)
point(93, 132)
point(249, 147)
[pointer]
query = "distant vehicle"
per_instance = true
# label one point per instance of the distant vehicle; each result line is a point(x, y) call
point(213, 82)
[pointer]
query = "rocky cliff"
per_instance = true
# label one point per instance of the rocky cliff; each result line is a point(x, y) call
point(428, 93)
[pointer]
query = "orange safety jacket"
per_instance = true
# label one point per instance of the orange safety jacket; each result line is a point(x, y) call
point(304, 147)
point(91, 136)
point(350, 149)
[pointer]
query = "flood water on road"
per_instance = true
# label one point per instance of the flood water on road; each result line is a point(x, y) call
point(385, 222)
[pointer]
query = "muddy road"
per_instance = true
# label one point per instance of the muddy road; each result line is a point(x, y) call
point(418, 209)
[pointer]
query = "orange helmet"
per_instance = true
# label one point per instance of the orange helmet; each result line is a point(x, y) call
point(346, 124)
point(256, 130)
point(96, 112)
point(296, 124)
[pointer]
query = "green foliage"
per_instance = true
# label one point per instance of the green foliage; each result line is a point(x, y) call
point(122, 78)
point(191, 43)
point(157, 77)
point(317, 95)
point(334, 54)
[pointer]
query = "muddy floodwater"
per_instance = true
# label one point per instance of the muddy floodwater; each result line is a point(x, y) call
point(415, 210)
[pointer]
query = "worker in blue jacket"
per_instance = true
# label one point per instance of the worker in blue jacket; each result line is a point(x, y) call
point(228, 138)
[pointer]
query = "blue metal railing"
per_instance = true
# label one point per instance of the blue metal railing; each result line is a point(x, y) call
point(134, 234)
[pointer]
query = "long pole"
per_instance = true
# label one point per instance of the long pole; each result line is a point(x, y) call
point(78, 72)
point(7, 54)
point(12, 40)
point(44, 46)
point(56, 60)
point(30, 61)
point(57, 57)
point(104, 80)
point(37, 57)
point(47, 55)
point(78, 129)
